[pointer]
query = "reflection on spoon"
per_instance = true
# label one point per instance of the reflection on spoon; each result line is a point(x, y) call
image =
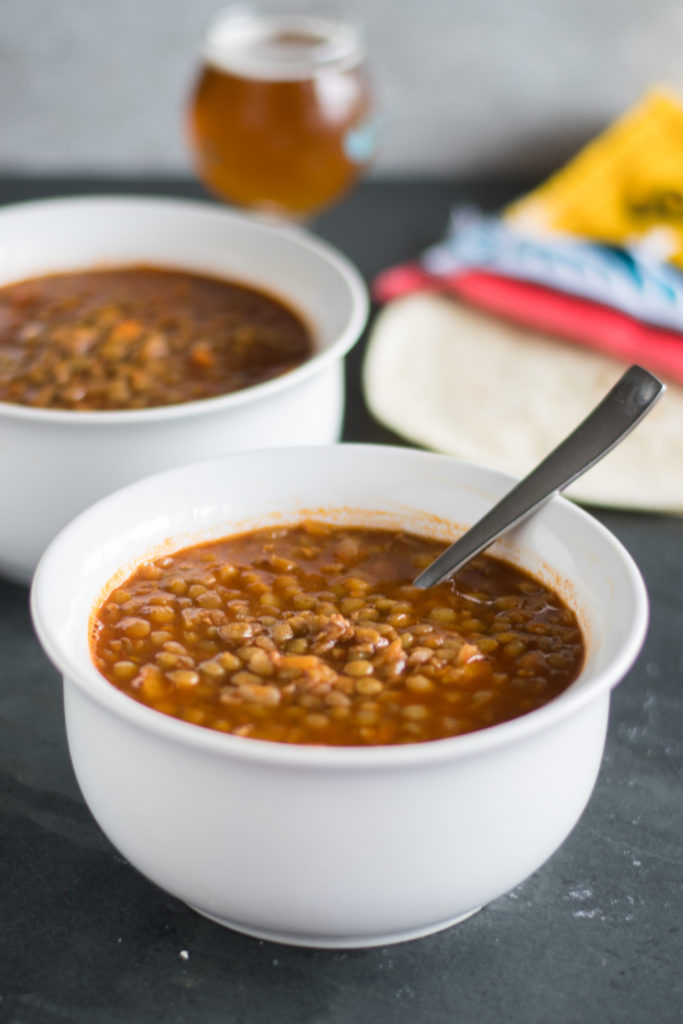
point(617, 414)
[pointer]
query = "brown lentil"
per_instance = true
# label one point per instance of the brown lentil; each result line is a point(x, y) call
point(390, 664)
point(136, 337)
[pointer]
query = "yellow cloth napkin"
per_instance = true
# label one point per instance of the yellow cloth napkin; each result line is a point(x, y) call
point(625, 187)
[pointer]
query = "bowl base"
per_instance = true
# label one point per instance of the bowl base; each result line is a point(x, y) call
point(336, 941)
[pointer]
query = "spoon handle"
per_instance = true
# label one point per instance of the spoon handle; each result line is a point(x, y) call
point(620, 410)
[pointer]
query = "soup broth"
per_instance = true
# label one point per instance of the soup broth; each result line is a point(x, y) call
point(137, 337)
point(314, 634)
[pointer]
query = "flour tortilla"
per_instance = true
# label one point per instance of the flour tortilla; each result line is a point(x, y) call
point(459, 381)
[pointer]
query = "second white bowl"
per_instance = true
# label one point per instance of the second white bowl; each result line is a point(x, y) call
point(53, 463)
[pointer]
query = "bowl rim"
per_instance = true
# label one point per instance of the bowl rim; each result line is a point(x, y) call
point(567, 704)
point(330, 254)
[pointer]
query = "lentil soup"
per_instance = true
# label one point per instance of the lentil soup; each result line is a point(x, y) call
point(314, 634)
point(137, 337)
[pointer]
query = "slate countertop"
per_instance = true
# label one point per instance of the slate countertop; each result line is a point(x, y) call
point(593, 936)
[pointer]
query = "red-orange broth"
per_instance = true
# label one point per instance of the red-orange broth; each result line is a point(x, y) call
point(314, 634)
point(137, 337)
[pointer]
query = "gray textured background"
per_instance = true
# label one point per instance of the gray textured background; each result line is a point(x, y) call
point(466, 87)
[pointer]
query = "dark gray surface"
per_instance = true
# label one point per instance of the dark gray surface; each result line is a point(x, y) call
point(593, 936)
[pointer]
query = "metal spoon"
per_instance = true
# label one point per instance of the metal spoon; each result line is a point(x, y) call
point(620, 410)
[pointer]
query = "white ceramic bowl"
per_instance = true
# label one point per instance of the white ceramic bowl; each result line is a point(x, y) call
point(334, 846)
point(53, 463)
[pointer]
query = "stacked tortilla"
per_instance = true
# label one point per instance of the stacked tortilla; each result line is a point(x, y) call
point(459, 381)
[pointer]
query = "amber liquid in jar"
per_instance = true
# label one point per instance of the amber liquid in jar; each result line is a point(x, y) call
point(280, 118)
